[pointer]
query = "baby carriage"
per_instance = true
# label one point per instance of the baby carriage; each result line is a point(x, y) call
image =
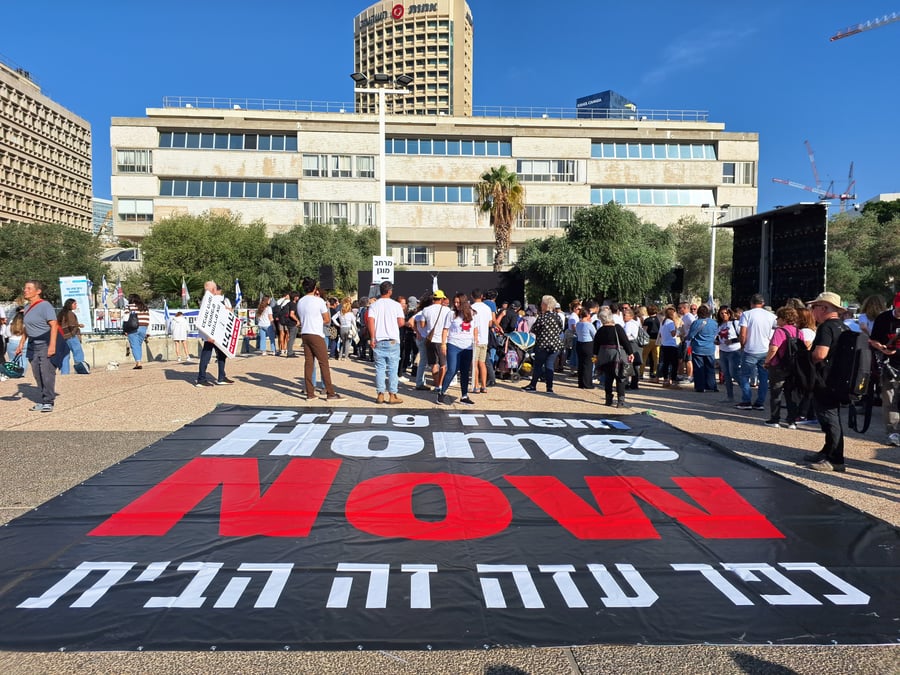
point(517, 354)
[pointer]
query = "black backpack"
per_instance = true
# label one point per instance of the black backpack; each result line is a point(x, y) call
point(849, 376)
point(802, 372)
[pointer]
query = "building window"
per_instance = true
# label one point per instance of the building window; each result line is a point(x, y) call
point(471, 256)
point(547, 170)
point(135, 210)
point(341, 166)
point(365, 166)
point(446, 147)
point(441, 194)
point(738, 173)
point(603, 150)
point(414, 255)
point(228, 189)
point(134, 161)
point(339, 213)
point(338, 166)
point(546, 217)
point(223, 140)
point(652, 196)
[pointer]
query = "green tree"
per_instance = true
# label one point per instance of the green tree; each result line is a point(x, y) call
point(863, 253)
point(692, 239)
point(884, 212)
point(607, 252)
point(46, 252)
point(502, 196)
point(203, 247)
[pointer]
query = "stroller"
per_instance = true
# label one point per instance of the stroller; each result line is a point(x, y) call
point(517, 357)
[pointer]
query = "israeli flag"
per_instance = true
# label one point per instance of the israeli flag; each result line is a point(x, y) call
point(105, 294)
point(238, 296)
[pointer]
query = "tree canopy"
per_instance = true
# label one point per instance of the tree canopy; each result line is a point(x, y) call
point(864, 251)
point(692, 241)
point(46, 252)
point(606, 252)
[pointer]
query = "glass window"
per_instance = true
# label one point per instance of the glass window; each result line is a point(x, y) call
point(165, 188)
point(425, 193)
point(453, 148)
point(291, 191)
point(728, 172)
point(221, 142)
point(251, 189)
point(236, 189)
point(236, 141)
point(440, 147)
point(178, 139)
point(250, 141)
point(193, 140)
point(207, 188)
point(466, 195)
point(440, 193)
point(221, 188)
point(467, 148)
point(290, 144)
point(480, 148)
point(412, 193)
point(621, 151)
point(165, 139)
point(659, 151)
point(180, 188)
point(277, 190)
point(425, 146)
point(265, 142)
point(646, 151)
point(193, 188)
point(206, 140)
point(619, 196)
point(672, 152)
point(493, 148)
point(277, 142)
point(453, 194)
point(399, 193)
point(265, 190)
point(505, 149)
point(412, 146)
point(365, 166)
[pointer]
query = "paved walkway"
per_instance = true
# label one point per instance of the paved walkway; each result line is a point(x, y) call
point(107, 416)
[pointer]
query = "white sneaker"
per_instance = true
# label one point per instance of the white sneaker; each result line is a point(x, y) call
point(179, 359)
point(894, 439)
point(403, 378)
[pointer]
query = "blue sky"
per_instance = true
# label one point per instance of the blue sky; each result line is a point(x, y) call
point(765, 67)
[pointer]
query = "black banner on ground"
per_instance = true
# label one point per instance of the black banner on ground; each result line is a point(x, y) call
point(344, 529)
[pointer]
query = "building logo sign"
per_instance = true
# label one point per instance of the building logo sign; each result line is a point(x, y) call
point(423, 8)
point(397, 12)
point(352, 528)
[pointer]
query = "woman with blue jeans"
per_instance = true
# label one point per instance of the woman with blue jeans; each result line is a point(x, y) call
point(702, 336)
point(71, 332)
point(266, 334)
point(458, 339)
point(136, 339)
point(729, 341)
point(547, 330)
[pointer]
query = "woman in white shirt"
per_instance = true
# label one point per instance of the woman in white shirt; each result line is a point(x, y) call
point(266, 334)
point(729, 341)
point(632, 326)
point(458, 338)
point(668, 352)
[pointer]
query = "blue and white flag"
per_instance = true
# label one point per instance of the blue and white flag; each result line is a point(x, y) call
point(238, 296)
point(185, 296)
point(166, 312)
point(105, 295)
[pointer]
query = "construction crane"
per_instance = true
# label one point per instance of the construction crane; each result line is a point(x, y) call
point(825, 194)
point(868, 25)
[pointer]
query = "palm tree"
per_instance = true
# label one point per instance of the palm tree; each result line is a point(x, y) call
point(501, 195)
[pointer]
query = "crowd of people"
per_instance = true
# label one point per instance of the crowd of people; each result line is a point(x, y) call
point(467, 338)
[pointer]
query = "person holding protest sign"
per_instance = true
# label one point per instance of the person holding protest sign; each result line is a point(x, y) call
point(212, 289)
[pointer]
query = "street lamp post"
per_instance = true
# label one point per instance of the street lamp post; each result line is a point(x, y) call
point(382, 92)
point(715, 213)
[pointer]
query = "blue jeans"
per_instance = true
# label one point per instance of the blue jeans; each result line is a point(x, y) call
point(459, 360)
point(136, 341)
point(387, 360)
point(544, 361)
point(704, 372)
point(730, 363)
point(266, 337)
point(206, 356)
point(749, 363)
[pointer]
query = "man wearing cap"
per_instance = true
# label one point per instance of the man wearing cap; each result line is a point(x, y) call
point(884, 339)
point(826, 309)
point(435, 315)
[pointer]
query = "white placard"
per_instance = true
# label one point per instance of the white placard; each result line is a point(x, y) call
point(382, 269)
point(218, 323)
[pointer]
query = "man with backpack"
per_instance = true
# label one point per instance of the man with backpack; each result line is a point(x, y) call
point(826, 309)
point(884, 339)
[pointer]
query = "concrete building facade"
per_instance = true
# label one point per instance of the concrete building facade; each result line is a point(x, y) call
point(291, 168)
point(430, 41)
point(45, 156)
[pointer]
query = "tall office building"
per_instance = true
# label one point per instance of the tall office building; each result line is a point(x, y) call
point(431, 41)
point(45, 156)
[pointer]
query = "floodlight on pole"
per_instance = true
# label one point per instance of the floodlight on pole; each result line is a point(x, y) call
point(401, 81)
point(716, 213)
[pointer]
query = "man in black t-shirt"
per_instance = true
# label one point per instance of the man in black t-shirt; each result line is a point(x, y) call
point(884, 339)
point(291, 321)
point(826, 309)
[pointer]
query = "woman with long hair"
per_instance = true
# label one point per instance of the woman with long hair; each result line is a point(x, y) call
point(780, 391)
point(870, 308)
point(668, 347)
point(71, 332)
point(612, 349)
point(266, 334)
point(137, 338)
point(458, 339)
point(346, 321)
point(729, 341)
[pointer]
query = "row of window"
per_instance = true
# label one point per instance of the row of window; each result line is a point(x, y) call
point(232, 189)
point(652, 196)
point(549, 170)
point(443, 194)
point(653, 151)
point(339, 166)
point(547, 217)
point(340, 213)
point(220, 140)
point(135, 210)
point(134, 161)
point(448, 147)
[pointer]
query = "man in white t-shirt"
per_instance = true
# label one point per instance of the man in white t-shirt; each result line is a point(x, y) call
point(384, 319)
point(687, 315)
point(313, 315)
point(756, 327)
point(482, 317)
point(435, 315)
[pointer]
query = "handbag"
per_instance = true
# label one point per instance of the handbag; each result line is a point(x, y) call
point(333, 332)
point(643, 337)
point(624, 367)
point(16, 368)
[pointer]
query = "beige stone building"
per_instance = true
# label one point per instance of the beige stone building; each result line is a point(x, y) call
point(45, 156)
point(430, 41)
point(290, 168)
